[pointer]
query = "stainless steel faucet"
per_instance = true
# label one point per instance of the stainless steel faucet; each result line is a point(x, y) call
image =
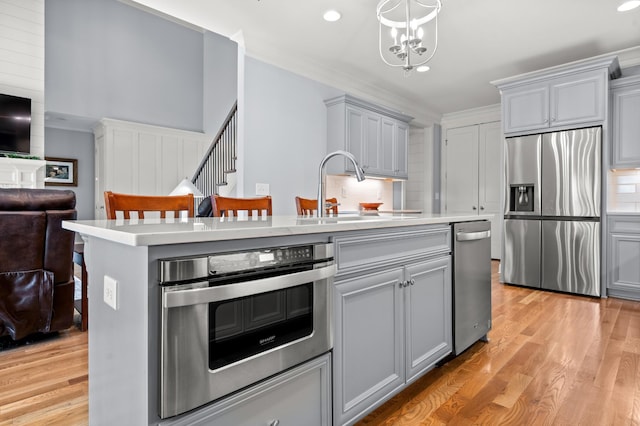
point(322, 177)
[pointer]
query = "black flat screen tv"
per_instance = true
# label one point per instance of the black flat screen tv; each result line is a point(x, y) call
point(15, 124)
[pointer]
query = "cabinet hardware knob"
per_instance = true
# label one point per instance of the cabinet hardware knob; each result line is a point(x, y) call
point(401, 284)
point(474, 208)
point(274, 423)
point(412, 281)
point(553, 119)
point(481, 207)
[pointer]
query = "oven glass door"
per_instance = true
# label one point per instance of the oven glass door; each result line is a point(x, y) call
point(243, 327)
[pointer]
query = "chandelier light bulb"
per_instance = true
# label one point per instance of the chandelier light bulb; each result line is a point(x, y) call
point(420, 33)
point(394, 34)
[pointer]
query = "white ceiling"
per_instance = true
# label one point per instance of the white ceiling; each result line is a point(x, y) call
point(480, 41)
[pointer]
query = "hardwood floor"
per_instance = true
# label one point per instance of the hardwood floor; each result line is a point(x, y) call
point(46, 383)
point(552, 359)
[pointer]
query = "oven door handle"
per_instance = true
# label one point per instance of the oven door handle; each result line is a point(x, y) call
point(196, 296)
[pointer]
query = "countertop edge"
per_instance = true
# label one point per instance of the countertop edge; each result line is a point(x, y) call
point(204, 229)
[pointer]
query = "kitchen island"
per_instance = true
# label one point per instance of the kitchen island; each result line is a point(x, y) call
point(124, 334)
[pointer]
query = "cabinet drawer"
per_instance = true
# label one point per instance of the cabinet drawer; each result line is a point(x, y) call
point(366, 251)
point(300, 396)
point(624, 224)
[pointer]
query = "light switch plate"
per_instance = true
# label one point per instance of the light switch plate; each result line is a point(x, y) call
point(111, 292)
point(262, 189)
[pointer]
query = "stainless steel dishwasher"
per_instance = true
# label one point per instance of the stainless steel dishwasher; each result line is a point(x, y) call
point(471, 283)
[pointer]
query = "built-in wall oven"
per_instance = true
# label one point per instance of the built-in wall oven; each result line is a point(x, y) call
point(232, 319)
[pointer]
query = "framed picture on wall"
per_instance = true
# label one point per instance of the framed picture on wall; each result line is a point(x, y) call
point(61, 172)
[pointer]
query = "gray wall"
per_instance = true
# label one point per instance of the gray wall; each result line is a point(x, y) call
point(285, 133)
point(220, 80)
point(76, 145)
point(104, 58)
point(107, 59)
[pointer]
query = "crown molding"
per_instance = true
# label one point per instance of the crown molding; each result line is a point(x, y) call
point(468, 117)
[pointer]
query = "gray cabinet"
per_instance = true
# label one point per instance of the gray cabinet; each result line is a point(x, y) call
point(377, 136)
point(560, 97)
point(427, 315)
point(623, 267)
point(300, 396)
point(369, 342)
point(392, 315)
point(625, 102)
point(471, 174)
point(559, 102)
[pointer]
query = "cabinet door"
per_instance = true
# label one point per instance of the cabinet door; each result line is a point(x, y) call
point(489, 179)
point(372, 144)
point(625, 269)
point(578, 99)
point(461, 170)
point(369, 342)
point(626, 127)
point(388, 147)
point(427, 315)
point(401, 151)
point(525, 108)
point(355, 135)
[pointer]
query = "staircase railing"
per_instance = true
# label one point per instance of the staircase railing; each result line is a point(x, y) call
point(220, 159)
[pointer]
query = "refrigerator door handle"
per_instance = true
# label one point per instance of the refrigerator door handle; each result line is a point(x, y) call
point(472, 236)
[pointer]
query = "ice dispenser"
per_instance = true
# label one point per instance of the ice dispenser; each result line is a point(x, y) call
point(521, 198)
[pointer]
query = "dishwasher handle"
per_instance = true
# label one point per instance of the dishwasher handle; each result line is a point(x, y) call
point(472, 236)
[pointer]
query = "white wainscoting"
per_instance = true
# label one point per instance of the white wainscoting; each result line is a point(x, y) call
point(142, 159)
point(21, 173)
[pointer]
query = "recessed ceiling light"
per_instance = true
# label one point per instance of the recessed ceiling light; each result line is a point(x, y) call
point(331, 15)
point(628, 5)
point(423, 68)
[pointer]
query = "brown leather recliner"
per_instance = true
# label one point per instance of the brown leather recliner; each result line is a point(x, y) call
point(36, 269)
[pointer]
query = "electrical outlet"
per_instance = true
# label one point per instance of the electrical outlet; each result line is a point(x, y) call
point(343, 192)
point(110, 294)
point(379, 195)
point(262, 189)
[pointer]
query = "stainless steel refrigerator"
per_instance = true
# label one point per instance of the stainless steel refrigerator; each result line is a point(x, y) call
point(552, 211)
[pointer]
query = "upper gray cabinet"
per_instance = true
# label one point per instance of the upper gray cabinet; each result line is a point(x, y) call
point(560, 97)
point(377, 136)
point(625, 101)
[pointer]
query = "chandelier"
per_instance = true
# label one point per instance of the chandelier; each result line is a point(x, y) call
point(407, 42)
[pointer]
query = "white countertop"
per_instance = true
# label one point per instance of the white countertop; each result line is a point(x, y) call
point(150, 232)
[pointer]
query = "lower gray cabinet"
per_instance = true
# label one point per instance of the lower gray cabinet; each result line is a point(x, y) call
point(392, 326)
point(624, 253)
point(427, 315)
point(368, 347)
point(300, 396)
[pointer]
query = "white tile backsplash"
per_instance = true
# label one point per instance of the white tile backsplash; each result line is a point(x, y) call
point(350, 193)
point(624, 190)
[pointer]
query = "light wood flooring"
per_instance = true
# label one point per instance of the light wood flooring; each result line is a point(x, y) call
point(552, 359)
point(46, 383)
